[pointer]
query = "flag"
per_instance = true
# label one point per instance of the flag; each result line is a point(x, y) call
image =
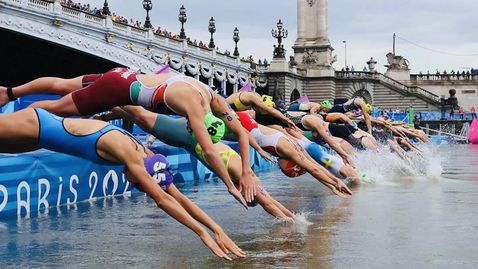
point(163, 70)
point(303, 99)
point(246, 88)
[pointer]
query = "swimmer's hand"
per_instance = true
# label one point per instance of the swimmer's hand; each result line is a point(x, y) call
point(340, 189)
point(291, 125)
point(248, 186)
point(227, 245)
point(212, 245)
point(238, 196)
point(266, 156)
point(347, 160)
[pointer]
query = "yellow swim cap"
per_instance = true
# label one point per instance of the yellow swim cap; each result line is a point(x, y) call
point(267, 100)
point(368, 108)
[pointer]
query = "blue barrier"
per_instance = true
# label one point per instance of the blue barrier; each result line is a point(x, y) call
point(31, 183)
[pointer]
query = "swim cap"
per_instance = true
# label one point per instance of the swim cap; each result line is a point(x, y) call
point(290, 168)
point(158, 167)
point(326, 104)
point(362, 175)
point(215, 127)
point(368, 108)
point(267, 100)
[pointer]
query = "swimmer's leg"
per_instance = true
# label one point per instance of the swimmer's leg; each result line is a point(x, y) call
point(64, 107)
point(19, 128)
point(43, 85)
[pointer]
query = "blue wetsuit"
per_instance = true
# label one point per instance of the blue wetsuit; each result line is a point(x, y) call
point(328, 161)
point(54, 136)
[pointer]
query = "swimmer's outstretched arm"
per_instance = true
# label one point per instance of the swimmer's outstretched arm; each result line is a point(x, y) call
point(248, 185)
point(226, 244)
point(335, 116)
point(366, 116)
point(273, 112)
point(316, 124)
point(259, 150)
point(196, 121)
point(136, 171)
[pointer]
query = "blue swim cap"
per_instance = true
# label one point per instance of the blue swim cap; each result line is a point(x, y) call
point(158, 167)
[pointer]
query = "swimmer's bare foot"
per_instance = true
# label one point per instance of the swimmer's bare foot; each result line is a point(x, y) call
point(3, 96)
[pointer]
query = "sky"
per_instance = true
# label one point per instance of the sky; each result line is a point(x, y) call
point(432, 34)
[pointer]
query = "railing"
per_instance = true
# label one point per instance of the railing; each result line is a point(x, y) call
point(388, 81)
point(72, 13)
point(138, 32)
point(410, 89)
point(445, 77)
point(454, 136)
point(39, 4)
point(93, 19)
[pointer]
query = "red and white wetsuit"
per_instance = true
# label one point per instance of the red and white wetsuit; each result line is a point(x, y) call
point(267, 142)
point(120, 86)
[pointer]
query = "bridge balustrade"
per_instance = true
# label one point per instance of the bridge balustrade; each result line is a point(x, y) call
point(444, 77)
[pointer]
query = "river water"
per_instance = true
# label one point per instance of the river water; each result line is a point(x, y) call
point(405, 216)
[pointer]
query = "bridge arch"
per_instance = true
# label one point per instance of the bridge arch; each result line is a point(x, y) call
point(294, 95)
point(361, 89)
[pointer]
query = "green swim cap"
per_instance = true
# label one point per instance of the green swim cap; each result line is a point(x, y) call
point(215, 127)
point(362, 175)
point(326, 104)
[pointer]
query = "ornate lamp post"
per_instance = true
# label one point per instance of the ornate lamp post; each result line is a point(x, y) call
point(182, 19)
point(212, 29)
point(279, 51)
point(106, 9)
point(371, 64)
point(147, 5)
point(345, 49)
point(236, 39)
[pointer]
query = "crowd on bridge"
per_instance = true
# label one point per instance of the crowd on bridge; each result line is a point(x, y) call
point(471, 74)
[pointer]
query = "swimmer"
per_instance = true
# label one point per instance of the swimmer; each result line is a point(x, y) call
point(315, 123)
point(324, 130)
point(174, 132)
point(311, 107)
point(278, 144)
point(335, 165)
point(170, 93)
point(105, 144)
point(242, 101)
point(355, 104)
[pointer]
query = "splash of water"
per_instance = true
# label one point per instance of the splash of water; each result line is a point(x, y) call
point(301, 219)
point(385, 166)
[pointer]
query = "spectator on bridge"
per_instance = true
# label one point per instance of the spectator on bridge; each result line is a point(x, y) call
point(461, 111)
point(473, 112)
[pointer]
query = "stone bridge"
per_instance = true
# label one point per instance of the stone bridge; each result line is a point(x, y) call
point(112, 42)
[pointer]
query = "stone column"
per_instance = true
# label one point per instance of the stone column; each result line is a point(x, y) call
point(322, 22)
point(312, 49)
point(301, 24)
